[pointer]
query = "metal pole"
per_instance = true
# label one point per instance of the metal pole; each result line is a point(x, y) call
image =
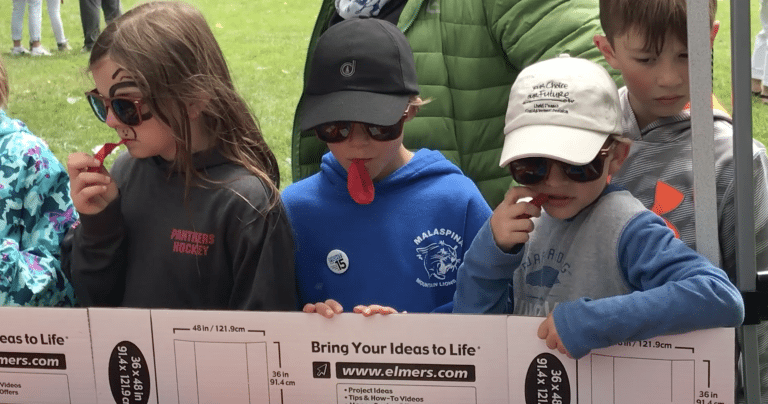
point(746, 277)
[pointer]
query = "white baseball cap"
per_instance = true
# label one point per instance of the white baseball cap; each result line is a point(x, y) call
point(563, 108)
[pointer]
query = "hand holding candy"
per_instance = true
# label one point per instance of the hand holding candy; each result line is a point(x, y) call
point(510, 222)
point(537, 202)
point(103, 153)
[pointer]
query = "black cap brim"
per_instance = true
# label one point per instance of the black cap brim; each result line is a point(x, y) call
point(352, 106)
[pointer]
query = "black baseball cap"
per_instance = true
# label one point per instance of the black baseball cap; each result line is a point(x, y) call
point(362, 70)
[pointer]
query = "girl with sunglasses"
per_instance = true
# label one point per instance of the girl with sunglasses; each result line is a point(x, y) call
point(380, 229)
point(35, 213)
point(599, 266)
point(191, 216)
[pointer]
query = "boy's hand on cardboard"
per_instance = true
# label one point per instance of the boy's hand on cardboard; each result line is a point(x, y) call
point(508, 228)
point(330, 307)
point(368, 311)
point(327, 309)
point(548, 332)
point(91, 191)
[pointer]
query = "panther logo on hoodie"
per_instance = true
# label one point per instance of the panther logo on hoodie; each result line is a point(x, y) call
point(439, 259)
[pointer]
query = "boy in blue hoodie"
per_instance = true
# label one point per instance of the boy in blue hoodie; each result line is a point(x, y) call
point(597, 264)
point(380, 228)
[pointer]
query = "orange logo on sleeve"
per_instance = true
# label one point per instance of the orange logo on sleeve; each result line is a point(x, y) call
point(666, 200)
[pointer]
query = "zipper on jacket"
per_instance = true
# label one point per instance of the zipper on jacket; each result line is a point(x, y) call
point(413, 17)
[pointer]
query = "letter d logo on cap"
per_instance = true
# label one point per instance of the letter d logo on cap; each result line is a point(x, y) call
point(348, 69)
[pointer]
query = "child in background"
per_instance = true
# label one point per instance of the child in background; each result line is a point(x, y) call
point(54, 14)
point(35, 213)
point(656, 116)
point(34, 21)
point(599, 266)
point(378, 224)
point(191, 217)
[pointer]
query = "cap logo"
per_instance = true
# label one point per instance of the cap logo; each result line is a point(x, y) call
point(551, 96)
point(348, 69)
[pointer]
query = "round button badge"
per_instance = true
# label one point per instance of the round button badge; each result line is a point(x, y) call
point(337, 261)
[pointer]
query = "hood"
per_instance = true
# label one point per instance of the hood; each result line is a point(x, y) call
point(9, 125)
point(203, 161)
point(667, 129)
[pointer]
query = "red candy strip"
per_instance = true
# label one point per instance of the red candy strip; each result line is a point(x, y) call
point(359, 183)
point(537, 201)
point(103, 153)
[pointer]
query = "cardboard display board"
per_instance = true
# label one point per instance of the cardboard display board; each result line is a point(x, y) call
point(184, 356)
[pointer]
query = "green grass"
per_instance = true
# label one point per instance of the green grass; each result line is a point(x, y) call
point(721, 83)
point(264, 42)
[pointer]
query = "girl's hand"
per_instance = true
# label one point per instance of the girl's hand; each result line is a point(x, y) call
point(507, 225)
point(326, 309)
point(368, 311)
point(91, 191)
point(548, 332)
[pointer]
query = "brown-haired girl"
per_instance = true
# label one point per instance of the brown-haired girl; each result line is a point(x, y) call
point(190, 217)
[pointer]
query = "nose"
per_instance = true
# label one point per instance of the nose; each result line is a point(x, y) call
point(556, 176)
point(669, 75)
point(358, 136)
point(112, 120)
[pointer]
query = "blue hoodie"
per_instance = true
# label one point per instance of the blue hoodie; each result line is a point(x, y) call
point(402, 250)
point(35, 213)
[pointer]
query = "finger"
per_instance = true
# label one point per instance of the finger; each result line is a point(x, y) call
point(335, 306)
point(364, 310)
point(77, 162)
point(543, 330)
point(551, 342)
point(92, 191)
point(387, 310)
point(516, 193)
point(308, 308)
point(324, 310)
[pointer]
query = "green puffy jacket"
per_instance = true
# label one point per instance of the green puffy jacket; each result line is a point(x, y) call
point(468, 53)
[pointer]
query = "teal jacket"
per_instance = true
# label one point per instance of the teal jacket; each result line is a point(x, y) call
point(468, 53)
point(35, 212)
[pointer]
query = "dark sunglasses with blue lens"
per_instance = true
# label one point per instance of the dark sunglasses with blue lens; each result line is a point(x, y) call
point(533, 170)
point(127, 110)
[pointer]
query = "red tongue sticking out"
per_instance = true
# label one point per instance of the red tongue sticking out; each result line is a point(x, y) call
point(537, 201)
point(359, 183)
point(103, 153)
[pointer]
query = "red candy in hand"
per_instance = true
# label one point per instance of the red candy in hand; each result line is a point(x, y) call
point(536, 201)
point(103, 153)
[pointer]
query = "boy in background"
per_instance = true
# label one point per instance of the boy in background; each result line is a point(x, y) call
point(597, 264)
point(647, 41)
point(380, 229)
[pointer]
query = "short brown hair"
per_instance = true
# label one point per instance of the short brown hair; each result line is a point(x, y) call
point(654, 18)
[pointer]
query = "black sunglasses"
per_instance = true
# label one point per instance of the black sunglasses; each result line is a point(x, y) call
point(533, 170)
point(127, 110)
point(335, 132)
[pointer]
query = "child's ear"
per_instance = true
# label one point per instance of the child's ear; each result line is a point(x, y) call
point(601, 42)
point(411, 112)
point(195, 108)
point(713, 34)
point(620, 153)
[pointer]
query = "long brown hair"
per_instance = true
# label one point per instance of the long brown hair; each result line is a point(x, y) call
point(3, 86)
point(171, 53)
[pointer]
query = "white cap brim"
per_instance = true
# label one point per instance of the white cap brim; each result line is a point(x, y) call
point(564, 143)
